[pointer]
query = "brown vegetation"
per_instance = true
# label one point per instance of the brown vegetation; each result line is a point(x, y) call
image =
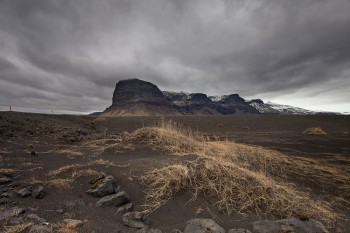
point(314, 131)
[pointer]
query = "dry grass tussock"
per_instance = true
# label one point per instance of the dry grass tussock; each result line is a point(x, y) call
point(234, 188)
point(314, 131)
point(238, 176)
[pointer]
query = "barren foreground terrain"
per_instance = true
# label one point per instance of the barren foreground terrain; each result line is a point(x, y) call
point(235, 170)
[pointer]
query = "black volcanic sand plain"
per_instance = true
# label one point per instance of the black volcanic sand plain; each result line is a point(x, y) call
point(66, 150)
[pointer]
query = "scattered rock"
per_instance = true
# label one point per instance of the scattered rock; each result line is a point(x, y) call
point(289, 225)
point(125, 208)
point(203, 225)
point(16, 221)
point(176, 231)
point(134, 219)
point(13, 212)
point(38, 193)
point(148, 230)
point(39, 229)
point(106, 187)
point(4, 180)
point(117, 200)
point(73, 222)
point(98, 178)
point(238, 231)
point(60, 211)
point(24, 192)
point(33, 153)
point(36, 217)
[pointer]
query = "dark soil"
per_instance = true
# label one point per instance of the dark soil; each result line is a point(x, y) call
point(50, 133)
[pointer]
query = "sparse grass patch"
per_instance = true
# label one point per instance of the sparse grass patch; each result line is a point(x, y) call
point(61, 184)
point(70, 153)
point(314, 131)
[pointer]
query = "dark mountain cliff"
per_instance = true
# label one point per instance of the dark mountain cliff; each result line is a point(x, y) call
point(138, 97)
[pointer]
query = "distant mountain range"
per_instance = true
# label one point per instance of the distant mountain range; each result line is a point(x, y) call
point(135, 97)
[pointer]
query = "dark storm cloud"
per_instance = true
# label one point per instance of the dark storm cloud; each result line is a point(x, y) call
point(68, 55)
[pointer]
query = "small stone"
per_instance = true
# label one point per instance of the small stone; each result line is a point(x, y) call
point(73, 222)
point(106, 187)
point(60, 211)
point(4, 180)
point(175, 231)
point(238, 231)
point(16, 221)
point(38, 193)
point(36, 217)
point(148, 230)
point(118, 199)
point(125, 208)
point(13, 212)
point(39, 229)
point(134, 220)
point(24, 192)
point(203, 225)
point(33, 153)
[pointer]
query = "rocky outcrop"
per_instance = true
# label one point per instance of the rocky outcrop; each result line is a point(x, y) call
point(136, 97)
point(137, 91)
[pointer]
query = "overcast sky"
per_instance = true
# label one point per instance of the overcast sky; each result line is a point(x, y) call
point(67, 55)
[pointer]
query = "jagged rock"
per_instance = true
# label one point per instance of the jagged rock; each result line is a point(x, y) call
point(148, 230)
point(39, 229)
point(73, 222)
point(117, 200)
point(36, 217)
point(176, 231)
point(13, 212)
point(39, 193)
point(199, 225)
point(16, 221)
point(134, 219)
point(4, 180)
point(106, 187)
point(98, 178)
point(24, 192)
point(125, 208)
point(289, 225)
point(238, 231)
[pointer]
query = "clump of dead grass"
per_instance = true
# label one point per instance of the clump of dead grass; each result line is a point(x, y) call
point(61, 184)
point(314, 131)
point(234, 188)
point(70, 153)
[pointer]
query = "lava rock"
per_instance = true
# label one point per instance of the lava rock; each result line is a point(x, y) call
point(203, 225)
point(73, 222)
point(39, 229)
point(36, 217)
point(4, 180)
point(134, 219)
point(13, 212)
point(24, 192)
point(117, 200)
point(125, 208)
point(39, 193)
point(106, 187)
point(289, 224)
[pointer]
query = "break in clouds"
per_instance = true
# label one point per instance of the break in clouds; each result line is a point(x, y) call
point(67, 55)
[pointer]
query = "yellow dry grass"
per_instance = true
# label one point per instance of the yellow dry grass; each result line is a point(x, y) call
point(61, 184)
point(70, 153)
point(314, 131)
point(239, 177)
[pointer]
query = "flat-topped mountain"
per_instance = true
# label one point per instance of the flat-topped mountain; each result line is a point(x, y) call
point(138, 97)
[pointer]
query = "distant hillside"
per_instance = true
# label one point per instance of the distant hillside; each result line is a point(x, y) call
point(135, 97)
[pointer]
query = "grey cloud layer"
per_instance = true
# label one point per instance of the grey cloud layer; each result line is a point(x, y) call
point(68, 55)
